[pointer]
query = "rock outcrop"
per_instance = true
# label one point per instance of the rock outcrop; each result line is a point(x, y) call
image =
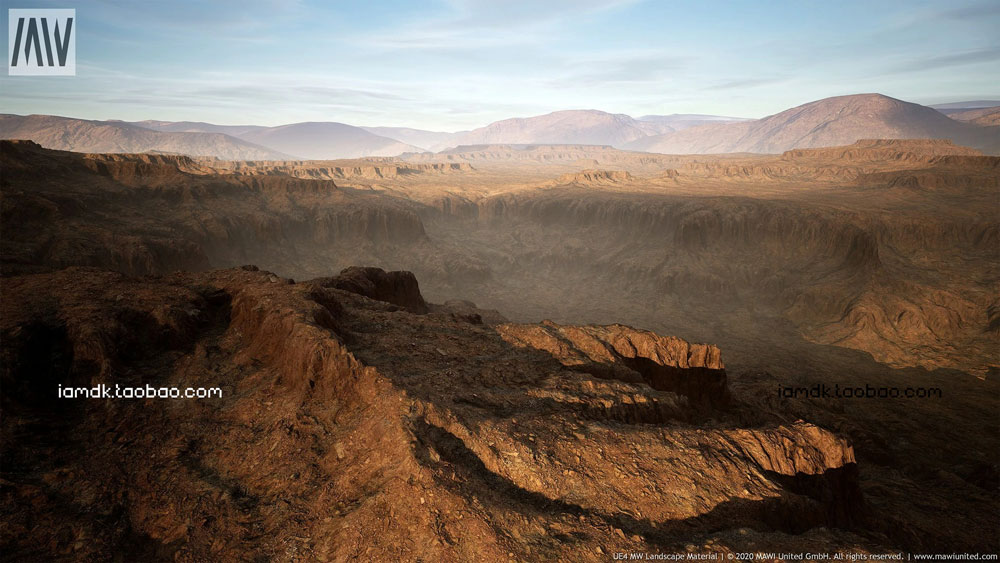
point(398, 288)
point(368, 169)
point(145, 214)
point(348, 427)
point(664, 363)
point(595, 177)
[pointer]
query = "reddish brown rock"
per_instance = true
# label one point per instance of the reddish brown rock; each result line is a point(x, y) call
point(665, 363)
point(351, 427)
point(398, 288)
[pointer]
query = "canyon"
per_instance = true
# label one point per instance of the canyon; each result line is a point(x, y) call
point(502, 350)
point(883, 246)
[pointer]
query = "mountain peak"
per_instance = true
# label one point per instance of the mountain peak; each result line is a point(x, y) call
point(575, 127)
point(853, 103)
point(834, 121)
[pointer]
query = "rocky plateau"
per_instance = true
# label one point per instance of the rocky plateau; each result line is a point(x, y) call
point(500, 352)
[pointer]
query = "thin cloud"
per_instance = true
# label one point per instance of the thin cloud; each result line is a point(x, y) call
point(526, 13)
point(987, 10)
point(350, 92)
point(991, 54)
point(478, 24)
point(620, 68)
point(746, 83)
point(187, 16)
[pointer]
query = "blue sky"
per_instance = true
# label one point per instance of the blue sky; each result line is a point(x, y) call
point(464, 63)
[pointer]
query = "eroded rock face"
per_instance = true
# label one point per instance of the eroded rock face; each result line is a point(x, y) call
point(665, 363)
point(884, 247)
point(370, 169)
point(349, 427)
point(153, 214)
point(398, 288)
point(595, 177)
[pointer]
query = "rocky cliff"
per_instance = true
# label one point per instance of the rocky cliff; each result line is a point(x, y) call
point(351, 394)
point(329, 442)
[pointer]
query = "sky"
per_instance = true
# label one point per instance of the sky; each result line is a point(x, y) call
point(460, 64)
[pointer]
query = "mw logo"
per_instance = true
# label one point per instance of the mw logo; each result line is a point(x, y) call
point(41, 42)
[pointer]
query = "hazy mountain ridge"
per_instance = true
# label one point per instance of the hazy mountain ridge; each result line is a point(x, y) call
point(680, 121)
point(323, 140)
point(81, 135)
point(307, 140)
point(835, 121)
point(195, 127)
point(840, 120)
point(586, 127)
point(980, 116)
point(429, 140)
point(957, 107)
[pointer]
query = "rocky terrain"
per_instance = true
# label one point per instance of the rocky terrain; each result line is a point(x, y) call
point(370, 169)
point(865, 258)
point(335, 438)
point(592, 362)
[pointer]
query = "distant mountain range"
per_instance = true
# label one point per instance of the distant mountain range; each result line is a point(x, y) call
point(310, 140)
point(81, 135)
point(982, 116)
point(573, 127)
point(956, 107)
point(429, 140)
point(834, 121)
point(678, 121)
